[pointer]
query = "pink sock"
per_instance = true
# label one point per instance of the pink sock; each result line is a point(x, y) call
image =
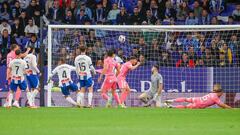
point(105, 96)
point(124, 96)
point(18, 94)
point(180, 106)
point(116, 97)
point(179, 100)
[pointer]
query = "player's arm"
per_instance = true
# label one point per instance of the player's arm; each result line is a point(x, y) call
point(134, 67)
point(105, 67)
point(118, 69)
point(92, 67)
point(34, 62)
point(225, 106)
point(52, 74)
point(22, 55)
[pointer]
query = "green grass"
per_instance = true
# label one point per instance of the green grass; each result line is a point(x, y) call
point(131, 121)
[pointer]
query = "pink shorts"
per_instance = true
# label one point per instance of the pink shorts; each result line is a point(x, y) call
point(195, 103)
point(122, 84)
point(109, 83)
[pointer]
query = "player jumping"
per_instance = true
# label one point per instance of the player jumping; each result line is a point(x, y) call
point(110, 81)
point(32, 74)
point(201, 102)
point(84, 67)
point(122, 83)
point(17, 71)
point(11, 56)
point(63, 71)
point(153, 95)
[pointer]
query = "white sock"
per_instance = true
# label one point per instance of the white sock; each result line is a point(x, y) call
point(81, 98)
point(78, 97)
point(29, 97)
point(70, 100)
point(34, 94)
point(90, 96)
point(10, 98)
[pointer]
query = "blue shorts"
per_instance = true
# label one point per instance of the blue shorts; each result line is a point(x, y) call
point(22, 85)
point(66, 89)
point(33, 81)
point(86, 83)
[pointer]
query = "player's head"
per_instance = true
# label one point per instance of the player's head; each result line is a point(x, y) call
point(83, 49)
point(61, 61)
point(133, 60)
point(110, 53)
point(18, 52)
point(155, 68)
point(217, 88)
point(14, 47)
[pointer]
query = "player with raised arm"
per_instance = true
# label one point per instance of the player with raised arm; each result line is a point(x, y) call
point(32, 74)
point(122, 83)
point(110, 81)
point(66, 84)
point(84, 69)
point(11, 56)
point(201, 102)
point(17, 69)
point(153, 95)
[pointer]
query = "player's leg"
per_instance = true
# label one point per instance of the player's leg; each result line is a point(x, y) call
point(17, 97)
point(66, 93)
point(143, 97)
point(80, 96)
point(35, 87)
point(90, 91)
point(23, 86)
point(114, 93)
point(73, 88)
point(125, 90)
point(13, 87)
point(104, 89)
point(179, 100)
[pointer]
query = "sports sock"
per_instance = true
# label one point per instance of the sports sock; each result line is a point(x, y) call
point(70, 100)
point(124, 96)
point(81, 95)
point(105, 96)
point(179, 106)
point(116, 97)
point(34, 94)
point(90, 96)
point(179, 100)
point(10, 98)
point(29, 97)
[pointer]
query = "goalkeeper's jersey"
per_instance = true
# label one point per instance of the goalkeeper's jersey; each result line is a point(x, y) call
point(31, 61)
point(83, 64)
point(64, 74)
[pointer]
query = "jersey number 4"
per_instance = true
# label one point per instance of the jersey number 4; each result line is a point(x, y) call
point(64, 74)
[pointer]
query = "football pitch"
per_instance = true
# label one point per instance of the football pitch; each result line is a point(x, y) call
point(130, 121)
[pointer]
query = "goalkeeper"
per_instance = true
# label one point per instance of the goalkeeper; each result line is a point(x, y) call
point(153, 95)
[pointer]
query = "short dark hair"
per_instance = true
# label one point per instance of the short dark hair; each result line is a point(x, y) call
point(132, 57)
point(18, 52)
point(13, 46)
point(82, 49)
point(110, 53)
point(156, 66)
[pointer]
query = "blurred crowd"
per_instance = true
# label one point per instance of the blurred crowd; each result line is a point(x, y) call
point(20, 24)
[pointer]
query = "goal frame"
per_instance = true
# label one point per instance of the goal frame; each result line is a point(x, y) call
point(167, 28)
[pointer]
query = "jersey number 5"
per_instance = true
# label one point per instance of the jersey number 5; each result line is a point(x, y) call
point(82, 66)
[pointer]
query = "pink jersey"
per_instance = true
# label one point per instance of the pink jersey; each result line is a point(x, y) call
point(111, 66)
point(11, 56)
point(124, 70)
point(207, 100)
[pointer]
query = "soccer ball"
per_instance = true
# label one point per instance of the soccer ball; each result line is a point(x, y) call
point(121, 38)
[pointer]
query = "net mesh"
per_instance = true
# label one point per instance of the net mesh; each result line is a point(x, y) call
point(191, 60)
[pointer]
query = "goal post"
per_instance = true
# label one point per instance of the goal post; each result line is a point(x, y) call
point(211, 52)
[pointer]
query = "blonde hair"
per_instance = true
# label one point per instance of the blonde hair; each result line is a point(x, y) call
point(217, 88)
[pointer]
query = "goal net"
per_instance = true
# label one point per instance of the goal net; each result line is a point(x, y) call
point(191, 58)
